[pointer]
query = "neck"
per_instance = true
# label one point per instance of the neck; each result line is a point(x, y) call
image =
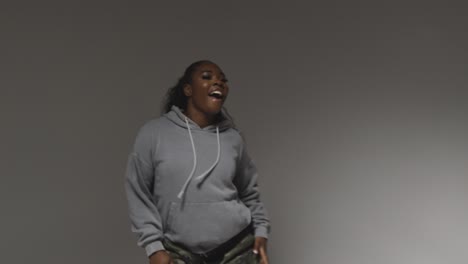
point(200, 118)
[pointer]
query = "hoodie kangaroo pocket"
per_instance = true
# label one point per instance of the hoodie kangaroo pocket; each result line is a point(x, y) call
point(204, 226)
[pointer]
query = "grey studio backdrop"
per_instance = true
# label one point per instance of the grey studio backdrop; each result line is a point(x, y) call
point(355, 114)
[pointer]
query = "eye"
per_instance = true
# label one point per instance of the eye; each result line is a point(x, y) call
point(206, 77)
point(225, 80)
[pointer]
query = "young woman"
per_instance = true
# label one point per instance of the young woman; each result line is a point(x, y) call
point(191, 186)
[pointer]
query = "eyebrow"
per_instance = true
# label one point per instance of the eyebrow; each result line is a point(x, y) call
point(222, 73)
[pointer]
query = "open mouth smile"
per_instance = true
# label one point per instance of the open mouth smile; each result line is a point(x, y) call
point(217, 95)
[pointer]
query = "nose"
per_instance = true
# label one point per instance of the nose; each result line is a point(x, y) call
point(219, 82)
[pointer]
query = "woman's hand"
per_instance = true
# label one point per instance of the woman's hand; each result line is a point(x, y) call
point(260, 248)
point(160, 257)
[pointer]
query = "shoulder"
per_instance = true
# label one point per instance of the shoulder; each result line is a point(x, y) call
point(233, 133)
point(239, 135)
point(149, 130)
point(147, 136)
point(234, 137)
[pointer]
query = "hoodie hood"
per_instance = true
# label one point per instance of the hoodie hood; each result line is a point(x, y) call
point(178, 117)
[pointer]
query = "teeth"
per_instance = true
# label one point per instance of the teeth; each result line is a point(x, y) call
point(217, 92)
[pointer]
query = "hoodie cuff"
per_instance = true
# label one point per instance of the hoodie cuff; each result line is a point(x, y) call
point(153, 247)
point(261, 231)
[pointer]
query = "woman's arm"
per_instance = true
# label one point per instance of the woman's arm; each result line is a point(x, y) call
point(144, 216)
point(247, 186)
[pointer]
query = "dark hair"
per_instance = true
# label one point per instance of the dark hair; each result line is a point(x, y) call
point(175, 95)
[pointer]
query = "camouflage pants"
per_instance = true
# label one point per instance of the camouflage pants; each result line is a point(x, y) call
point(241, 253)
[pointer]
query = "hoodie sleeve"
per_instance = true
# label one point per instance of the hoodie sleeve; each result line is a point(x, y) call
point(144, 216)
point(247, 186)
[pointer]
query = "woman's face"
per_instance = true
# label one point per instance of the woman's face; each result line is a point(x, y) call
point(208, 90)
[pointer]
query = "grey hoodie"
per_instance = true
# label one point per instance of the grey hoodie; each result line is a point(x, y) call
point(194, 186)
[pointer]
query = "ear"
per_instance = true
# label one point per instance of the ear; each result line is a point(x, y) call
point(188, 90)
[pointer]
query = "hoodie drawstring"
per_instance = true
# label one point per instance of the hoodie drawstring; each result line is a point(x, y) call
point(202, 176)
